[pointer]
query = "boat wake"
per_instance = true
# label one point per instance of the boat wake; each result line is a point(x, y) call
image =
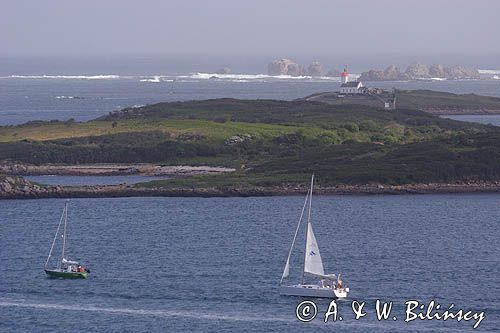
point(144, 312)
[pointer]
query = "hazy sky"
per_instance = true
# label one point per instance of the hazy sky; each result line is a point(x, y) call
point(248, 26)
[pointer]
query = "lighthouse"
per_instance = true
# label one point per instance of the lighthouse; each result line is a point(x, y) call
point(344, 76)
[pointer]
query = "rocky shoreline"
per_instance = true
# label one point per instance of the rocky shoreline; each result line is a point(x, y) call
point(17, 169)
point(19, 188)
point(419, 71)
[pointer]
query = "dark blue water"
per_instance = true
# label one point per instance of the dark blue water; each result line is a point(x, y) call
point(205, 265)
point(25, 99)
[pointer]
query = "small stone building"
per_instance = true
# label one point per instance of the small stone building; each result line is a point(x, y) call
point(353, 87)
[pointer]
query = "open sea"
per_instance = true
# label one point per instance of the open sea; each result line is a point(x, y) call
point(214, 264)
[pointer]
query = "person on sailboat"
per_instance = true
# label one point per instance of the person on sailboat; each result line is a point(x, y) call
point(339, 282)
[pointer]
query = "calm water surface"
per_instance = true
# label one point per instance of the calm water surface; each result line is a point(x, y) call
point(195, 264)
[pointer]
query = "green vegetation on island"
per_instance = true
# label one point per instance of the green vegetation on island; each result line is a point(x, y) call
point(269, 142)
point(435, 102)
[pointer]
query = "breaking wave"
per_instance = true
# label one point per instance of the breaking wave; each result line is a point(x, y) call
point(192, 77)
point(155, 79)
point(489, 71)
point(256, 77)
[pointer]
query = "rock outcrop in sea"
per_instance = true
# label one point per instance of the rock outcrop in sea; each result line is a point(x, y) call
point(315, 69)
point(418, 70)
point(225, 70)
point(285, 67)
point(437, 70)
point(461, 72)
point(333, 73)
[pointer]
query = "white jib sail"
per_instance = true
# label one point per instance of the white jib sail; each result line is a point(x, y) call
point(313, 263)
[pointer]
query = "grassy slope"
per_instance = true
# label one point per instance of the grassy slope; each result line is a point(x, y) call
point(277, 142)
point(428, 99)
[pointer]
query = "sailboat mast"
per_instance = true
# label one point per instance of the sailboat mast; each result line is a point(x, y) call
point(307, 229)
point(55, 238)
point(65, 228)
point(287, 265)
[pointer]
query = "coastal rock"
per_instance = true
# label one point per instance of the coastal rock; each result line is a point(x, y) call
point(284, 67)
point(224, 70)
point(392, 73)
point(417, 70)
point(437, 70)
point(315, 69)
point(461, 72)
point(372, 75)
point(333, 73)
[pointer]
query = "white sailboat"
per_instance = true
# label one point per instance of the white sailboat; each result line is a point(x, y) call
point(329, 285)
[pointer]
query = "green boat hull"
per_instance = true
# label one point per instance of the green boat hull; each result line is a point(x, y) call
point(66, 275)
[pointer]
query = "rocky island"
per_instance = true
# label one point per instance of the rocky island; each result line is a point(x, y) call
point(289, 67)
point(419, 71)
point(258, 147)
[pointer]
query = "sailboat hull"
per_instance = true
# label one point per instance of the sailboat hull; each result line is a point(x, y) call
point(307, 290)
point(66, 275)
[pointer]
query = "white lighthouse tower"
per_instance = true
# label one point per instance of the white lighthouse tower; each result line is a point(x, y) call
point(344, 76)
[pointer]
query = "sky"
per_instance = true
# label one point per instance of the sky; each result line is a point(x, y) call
point(278, 27)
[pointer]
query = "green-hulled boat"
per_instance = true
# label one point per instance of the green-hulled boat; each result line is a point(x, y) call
point(66, 269)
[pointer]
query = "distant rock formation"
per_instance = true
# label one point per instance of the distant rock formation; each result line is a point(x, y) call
point(460, 72)
point(284, 67)
point(437, 70)
point(417, 71)
point(333, 73)
point(392, 73)
point(315, 69)
point(372, 75)
point(224, 70)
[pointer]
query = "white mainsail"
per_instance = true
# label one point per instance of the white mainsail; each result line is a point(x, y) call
point(286, 271)
point(313, 263)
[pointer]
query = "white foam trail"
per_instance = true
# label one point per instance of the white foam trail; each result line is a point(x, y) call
point(142, 312)
point(155, 79)
point(489, 71)
point(78, 77)
point(258, 77)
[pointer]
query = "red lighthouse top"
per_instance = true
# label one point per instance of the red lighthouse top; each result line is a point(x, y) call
point(344, 73)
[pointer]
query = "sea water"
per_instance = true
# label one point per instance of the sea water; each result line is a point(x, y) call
point(214, 264)
point(198, 264)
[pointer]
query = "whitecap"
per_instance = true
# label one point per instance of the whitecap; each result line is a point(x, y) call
point(258, 77)
point(155, 79)
point(489, 71)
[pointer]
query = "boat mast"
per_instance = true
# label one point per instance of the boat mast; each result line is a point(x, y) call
point(287, 266)
point(55, 238)
point(308, 222)
point(65, 228)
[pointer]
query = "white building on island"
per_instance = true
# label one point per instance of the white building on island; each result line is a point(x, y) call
point(350, 87)
point(353, 87)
